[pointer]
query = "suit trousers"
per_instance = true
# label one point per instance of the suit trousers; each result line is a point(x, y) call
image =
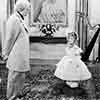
point(15, 84)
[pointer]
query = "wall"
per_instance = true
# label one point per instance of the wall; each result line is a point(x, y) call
point(81, 28)
point(54, 51)
point(94, 11)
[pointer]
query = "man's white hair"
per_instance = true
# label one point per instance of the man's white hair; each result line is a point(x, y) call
point(21, 5)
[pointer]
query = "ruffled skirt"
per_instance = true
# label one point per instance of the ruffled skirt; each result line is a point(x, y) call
point(72, 69)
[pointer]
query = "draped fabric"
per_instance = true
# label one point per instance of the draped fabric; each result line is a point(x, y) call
point(10, 7)
point(80, 23)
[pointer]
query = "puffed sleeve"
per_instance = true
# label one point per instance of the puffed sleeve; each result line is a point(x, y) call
point(12, 30)
point(80, 50)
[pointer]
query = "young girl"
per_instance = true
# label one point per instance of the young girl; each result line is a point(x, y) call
point(71, 68)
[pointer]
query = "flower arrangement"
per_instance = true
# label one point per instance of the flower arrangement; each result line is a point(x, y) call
point(48, 29)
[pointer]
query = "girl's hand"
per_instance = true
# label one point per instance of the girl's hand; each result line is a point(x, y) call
point(77, 54)
point(81, 54)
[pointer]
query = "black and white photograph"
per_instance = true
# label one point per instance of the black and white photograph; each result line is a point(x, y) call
point(49, 50)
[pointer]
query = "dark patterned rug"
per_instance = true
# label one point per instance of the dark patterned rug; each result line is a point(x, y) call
point(41, 84)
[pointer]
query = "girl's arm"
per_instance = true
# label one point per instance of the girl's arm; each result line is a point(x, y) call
point(79, 52)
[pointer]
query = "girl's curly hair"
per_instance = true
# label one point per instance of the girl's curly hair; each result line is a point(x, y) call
point(74, 34)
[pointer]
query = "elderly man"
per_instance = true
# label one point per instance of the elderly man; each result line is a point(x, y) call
point(16, 49)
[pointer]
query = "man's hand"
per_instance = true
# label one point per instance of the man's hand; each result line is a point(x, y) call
point(5, 58)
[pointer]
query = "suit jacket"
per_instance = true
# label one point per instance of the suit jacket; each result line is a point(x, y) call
point(18, 52)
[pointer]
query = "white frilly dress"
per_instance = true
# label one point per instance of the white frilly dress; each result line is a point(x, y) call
point(71, 67)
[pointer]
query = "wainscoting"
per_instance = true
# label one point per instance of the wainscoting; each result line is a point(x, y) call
point(45, 52)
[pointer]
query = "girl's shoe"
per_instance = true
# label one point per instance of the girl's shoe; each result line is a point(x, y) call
point(72, 84)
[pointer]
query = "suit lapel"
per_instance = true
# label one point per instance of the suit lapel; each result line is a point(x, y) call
point(22, 22)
